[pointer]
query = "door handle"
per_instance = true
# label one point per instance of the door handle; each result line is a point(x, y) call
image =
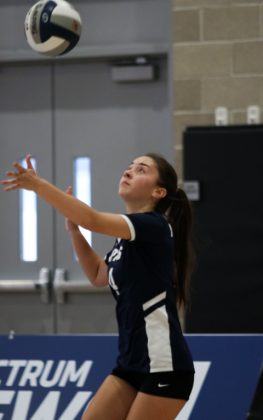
point(41, 285)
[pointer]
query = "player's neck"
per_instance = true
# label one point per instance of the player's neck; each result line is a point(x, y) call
point(138, 208)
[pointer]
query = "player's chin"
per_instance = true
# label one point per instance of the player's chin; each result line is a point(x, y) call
point(123, 191)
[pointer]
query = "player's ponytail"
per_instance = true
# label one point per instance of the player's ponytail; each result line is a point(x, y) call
point(177, 208)
point(179, 215)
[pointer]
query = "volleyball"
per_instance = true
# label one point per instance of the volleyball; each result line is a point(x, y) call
point(52, 27)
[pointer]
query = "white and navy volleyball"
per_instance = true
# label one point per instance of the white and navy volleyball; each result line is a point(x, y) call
point(52, 27)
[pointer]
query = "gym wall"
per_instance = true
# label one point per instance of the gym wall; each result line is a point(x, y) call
point(218, 62)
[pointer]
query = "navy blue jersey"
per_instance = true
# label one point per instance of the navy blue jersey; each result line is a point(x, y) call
point(141, 277)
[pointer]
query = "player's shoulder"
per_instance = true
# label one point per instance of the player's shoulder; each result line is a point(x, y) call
point(148, 226)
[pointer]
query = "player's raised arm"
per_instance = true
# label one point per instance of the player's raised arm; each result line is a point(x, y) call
point(72, 208)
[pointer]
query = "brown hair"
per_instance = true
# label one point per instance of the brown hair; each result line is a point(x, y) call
point(177, 208)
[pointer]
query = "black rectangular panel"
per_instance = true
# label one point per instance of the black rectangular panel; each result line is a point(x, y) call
point(227, 286)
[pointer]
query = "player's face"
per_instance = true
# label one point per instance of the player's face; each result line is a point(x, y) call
point(139, 181)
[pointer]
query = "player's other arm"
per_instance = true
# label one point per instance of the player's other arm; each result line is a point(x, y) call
point(93, 266)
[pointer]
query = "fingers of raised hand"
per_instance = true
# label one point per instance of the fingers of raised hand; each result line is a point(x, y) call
point(10, 184)
point(28, 162)
point(17, 176)
point(11, 173)
point(14, 177)
point(19, 168)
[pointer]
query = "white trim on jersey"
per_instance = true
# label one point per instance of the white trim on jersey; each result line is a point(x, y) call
point(153, 301)
point(158, 335)
point(171, 229)
point(158, 340)
point(131, 227)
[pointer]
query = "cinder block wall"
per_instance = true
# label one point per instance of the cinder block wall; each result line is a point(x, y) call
point(218, 61)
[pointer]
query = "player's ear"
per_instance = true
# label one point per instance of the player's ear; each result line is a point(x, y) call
point(159, 192)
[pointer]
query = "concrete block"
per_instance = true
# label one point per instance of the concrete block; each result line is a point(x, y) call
point(232, 93)
point(229, 23)
point(248, 57)
point(195, 60)
point(187, 95)
point(186, 25)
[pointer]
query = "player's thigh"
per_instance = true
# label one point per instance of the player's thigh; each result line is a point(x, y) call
point(112, 401)
point(151, 407)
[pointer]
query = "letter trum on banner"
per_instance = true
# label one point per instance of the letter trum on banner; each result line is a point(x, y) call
point(52, 377)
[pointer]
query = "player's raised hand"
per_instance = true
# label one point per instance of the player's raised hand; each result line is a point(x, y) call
point(20, 177)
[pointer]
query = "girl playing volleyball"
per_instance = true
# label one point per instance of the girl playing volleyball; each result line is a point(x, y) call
point(148, 271)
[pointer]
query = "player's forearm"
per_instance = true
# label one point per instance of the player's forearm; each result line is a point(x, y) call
point(89, 261)
point(72, 208)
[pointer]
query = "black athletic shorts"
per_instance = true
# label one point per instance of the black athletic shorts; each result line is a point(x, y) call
point(176, 384)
